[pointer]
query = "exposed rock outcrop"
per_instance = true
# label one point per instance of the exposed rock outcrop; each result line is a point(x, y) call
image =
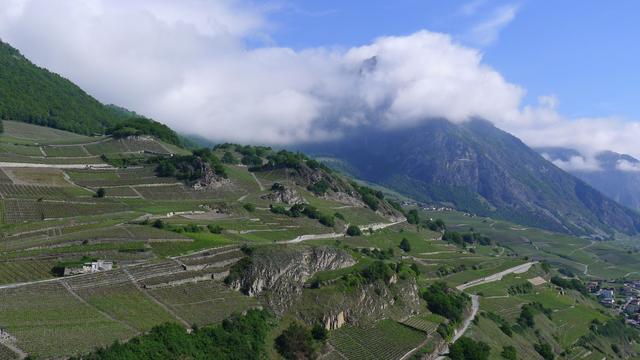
point(284, 195)
point(278, 274)
point(363, 305)
point(209, 179)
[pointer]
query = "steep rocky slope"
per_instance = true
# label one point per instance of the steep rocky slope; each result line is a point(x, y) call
point(615, 175)
point(278, 274)
point(477, 167)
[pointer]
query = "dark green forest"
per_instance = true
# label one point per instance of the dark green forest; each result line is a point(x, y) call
point(240, 337)
point(35, 95)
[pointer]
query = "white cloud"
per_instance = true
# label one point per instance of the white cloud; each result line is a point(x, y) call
point(625, 165)
point(187, 64)
point(575, 163)
point(487, 31)
point(470, 8)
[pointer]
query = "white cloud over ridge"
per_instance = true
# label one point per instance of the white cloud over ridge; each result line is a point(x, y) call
point(628, 166)
point(188, 64)
point(575, 163)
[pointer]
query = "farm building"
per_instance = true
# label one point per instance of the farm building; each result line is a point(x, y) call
point(89, 267)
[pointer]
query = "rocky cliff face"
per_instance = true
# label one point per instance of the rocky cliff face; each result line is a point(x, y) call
point(284, 195)
point(363, 305)
point(278, 274)
point(209, 180)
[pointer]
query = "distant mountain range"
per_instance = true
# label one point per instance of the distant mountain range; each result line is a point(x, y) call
point(477, 167)
point(615, 175)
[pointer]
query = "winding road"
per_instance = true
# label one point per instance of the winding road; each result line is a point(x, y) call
point(475, 305)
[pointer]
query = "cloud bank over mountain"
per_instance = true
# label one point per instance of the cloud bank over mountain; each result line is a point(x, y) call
point(195, 65)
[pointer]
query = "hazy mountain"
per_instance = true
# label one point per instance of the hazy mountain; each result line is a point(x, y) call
point(35, 95)
point(615, 175)
point(480, 168)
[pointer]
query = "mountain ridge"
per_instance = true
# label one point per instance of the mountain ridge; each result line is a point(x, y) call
point(615, 175)
point(480, 168)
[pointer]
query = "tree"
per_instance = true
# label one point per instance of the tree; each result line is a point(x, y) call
point(545, 351)
point(249, 207)
point(319, 332)
point(405, 245)
point(509, 353)
point(468, 349)
point(215, 229)
point(100, 193)
point(413, 217)
point(228, 158)
point(445, 301)
point(159, 224)
point(296, 342)
point(353, 230)
point(526, 317)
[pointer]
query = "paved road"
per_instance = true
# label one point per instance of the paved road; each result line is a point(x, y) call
point(54, 166)
point(333, 235)
point(475, 306)
point(475, 303)
point(498, 276)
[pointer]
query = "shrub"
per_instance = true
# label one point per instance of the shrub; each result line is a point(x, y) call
point(545, 351)
point(278, 209)
point(319, 188)
point(574, 284)
point(445, 301)
point(296, 342)
point(327, 220)
point(249, 207)
point(445, 330)
point(215, 229)
point(523, 288)
point(413, 217)
point(319, 332)
point(405, 245)
point(159, 224)
point(353, 230)
point(468, 349)
point(377, 270)
point(228, 158)
point(101, 193)
point(509, 353)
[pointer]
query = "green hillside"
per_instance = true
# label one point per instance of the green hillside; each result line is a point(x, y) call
point(35, 95)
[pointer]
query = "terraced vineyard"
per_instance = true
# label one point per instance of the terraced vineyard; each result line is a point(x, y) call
point(172, 244)
point(125, 303)
point(63, 317)
point(387, 339)
point(203, 303)
point(422, 323)
point(26, 270)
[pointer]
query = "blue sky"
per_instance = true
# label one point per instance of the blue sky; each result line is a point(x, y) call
point(584, 52)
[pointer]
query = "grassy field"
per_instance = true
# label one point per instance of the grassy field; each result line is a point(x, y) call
point(597, 260)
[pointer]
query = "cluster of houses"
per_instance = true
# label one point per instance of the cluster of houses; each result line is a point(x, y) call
point(623, 297)
point(427, 207)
